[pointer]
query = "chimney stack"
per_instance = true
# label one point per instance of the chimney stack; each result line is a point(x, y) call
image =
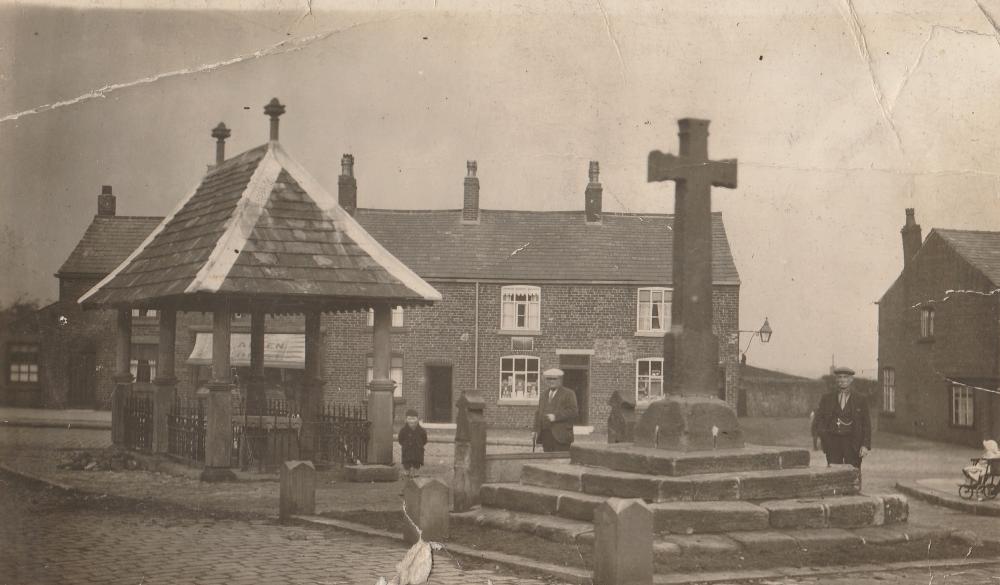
point(274, 109)
point(912, 238)
point(470, 203)
point(347, 185)
point(220, 133)
point(593, 194)
point(106, 203)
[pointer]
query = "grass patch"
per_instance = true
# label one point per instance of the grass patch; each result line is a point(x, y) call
point(580, 556)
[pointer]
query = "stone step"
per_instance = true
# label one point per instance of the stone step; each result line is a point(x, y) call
point(746, 485)
point(699, 517)
point(708, 546)
point(651, 461)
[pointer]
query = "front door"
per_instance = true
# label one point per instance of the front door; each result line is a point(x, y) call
point(438, 394)
point(82, 380)
point(576, 377)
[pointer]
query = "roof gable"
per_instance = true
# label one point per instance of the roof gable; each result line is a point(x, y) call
point(107, 241)
point(980, 248)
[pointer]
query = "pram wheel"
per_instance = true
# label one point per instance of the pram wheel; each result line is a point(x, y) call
point(966, 491)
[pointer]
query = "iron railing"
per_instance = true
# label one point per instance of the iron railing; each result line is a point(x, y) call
point(342, 435)
point(137, 419)
point(186, 429)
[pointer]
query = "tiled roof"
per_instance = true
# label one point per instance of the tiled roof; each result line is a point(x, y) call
point(107, 241)
point(258, 224)
point(539, 246)
point(981, 249)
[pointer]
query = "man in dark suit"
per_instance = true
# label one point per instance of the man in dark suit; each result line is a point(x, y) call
point(557, 411)
point(843, 422)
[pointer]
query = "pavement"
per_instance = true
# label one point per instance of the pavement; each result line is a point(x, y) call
point(51, 418)
point(234, 513)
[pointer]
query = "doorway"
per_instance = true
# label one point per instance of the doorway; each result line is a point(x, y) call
point(438, 394)
point(576, 377)
point(82, 380)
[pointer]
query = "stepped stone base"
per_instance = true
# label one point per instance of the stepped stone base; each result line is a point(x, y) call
point(652, 461)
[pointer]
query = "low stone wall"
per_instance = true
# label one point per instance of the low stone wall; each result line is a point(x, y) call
point(506, 467)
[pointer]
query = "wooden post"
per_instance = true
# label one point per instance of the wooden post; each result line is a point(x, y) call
point(380, 403)
point(123, 375)
point(256, 385)
point(166, 381)
point(297, 494)
point(470, 451)
point(219, 423)
point(311, 396)
point(426, 501)
point(623, 543)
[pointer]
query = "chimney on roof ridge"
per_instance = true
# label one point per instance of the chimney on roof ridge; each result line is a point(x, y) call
point(274, 109)
point(106, 203)
point(912, 238)
point(220, 133)
point(470, 201)
point(347, 185)
point(593, 194)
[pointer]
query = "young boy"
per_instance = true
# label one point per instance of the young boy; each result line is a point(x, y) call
point(412, 437)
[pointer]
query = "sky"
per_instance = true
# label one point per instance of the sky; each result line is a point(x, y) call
point(841, 115)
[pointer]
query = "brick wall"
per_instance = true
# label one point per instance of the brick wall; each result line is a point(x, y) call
point(964, 345)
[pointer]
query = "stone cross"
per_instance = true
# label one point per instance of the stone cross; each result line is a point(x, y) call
point(695, 347)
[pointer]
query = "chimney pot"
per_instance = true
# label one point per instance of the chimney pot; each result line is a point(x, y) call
point(912, 238)
point(220, 133)
point(274, 109)
point(470, 200)
point(347, 185)
point(106, 203)
point(593, 194)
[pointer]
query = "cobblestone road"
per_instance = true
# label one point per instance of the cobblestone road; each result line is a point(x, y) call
point(48, 537)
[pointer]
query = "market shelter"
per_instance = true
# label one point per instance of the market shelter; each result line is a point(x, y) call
point(259, 235)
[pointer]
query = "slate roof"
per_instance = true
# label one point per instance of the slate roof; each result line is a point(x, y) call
point(539, 246)
point(260, 225)
point(981, 249)
point(107, 241)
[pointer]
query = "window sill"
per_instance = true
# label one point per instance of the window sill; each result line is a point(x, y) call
point(520, 332)
point(517, 402)
point(650, 333)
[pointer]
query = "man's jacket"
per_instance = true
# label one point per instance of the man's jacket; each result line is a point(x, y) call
point(563, 406)
point(853, 420)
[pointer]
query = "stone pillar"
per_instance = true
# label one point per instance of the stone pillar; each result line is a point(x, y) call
point(380, 403)
point(166, 380)
point(219, 415)
point(298, 489)
point(470, 451)
point(256, 384)
point(123, 375)
point(623, 543)
point(311, 396)
point(426, 501)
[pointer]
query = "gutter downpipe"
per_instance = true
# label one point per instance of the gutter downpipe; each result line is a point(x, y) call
point(475, 347)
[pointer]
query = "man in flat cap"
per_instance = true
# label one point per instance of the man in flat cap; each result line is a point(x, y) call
point(557, 411)
point(843, 421)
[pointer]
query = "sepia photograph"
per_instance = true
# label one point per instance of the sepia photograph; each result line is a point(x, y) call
point(589, 292)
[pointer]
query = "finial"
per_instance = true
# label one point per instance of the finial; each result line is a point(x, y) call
point(274, 109)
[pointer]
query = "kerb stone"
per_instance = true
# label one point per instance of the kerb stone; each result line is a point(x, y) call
point(623, 543)
point(297, 493)
point(427, 505)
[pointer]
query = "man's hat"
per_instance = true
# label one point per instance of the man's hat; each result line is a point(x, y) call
point(412, 412)
point(843, 370)
point(553, 373)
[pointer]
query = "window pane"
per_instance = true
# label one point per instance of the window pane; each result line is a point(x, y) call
point(644, 295)
point(656, 367)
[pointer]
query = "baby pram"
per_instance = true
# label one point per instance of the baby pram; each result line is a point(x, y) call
point(986, 484)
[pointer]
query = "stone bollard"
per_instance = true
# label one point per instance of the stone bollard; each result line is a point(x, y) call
point(623, 543)
point(426, 502)
point(470, 451)
point(298, 489)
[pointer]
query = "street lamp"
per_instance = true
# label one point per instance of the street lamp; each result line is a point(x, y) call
point(764, 333)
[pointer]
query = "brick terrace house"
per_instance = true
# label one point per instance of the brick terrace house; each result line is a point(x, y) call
point(939, 337)
point(522, 291)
